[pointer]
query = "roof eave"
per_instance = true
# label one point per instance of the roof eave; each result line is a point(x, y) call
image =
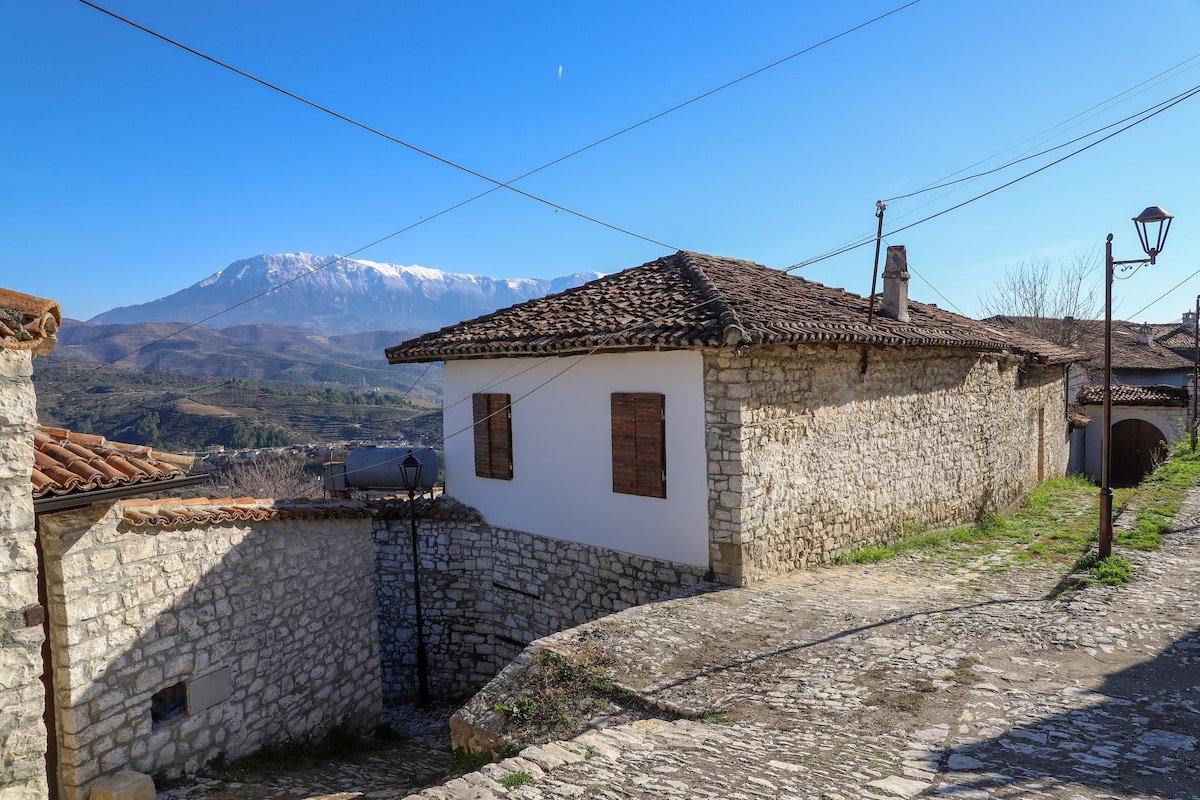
point(65, 502)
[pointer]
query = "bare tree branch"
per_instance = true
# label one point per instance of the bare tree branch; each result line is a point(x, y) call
point(278, 476)
point(1045, 300)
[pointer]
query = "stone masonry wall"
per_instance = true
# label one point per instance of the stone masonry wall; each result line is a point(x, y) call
point(273, 623)
point(486, 592)
point(810, 457)
point(22, 699)
point(454, 544)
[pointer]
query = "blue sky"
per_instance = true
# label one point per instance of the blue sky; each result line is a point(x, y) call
point(133, 169)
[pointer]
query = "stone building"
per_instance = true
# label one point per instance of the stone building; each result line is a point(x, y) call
point(27, 328)
point(154, 636)
point(181, 631)
point(714, 414)
point(1153, 376)
point(1153, 372)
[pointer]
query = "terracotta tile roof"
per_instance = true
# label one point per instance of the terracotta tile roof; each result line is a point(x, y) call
point(1128, 352)
point(1170, 348)
point(174, 513)
point(443, 507)
point(66, 462)
point(28, 322)
point(1123, 395)
point(1177, 337)
point(690, 300)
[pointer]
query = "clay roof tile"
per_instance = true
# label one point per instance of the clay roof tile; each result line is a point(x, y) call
point(67, 462)
point(28, 322)
point(692, 300)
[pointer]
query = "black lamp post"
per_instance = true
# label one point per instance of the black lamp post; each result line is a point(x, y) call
point(410, 476)
point(1152, 226)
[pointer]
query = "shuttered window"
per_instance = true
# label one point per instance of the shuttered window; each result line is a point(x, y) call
point(492, 415)
point(639, 444)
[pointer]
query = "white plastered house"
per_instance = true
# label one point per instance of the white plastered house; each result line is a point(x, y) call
point(715, 412)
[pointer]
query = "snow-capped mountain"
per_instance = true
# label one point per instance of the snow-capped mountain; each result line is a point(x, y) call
point(347, 296)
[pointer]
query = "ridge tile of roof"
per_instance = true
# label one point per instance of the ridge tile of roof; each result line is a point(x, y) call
point(28, 322)
point(66, 462)
point(175, 513)
point(692, 300)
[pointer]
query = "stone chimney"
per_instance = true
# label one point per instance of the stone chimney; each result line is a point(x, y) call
point(1145, 334)
point(895, 284)
point(1189, 320)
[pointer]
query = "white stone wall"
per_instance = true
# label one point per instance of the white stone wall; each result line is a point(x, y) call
point(488, 591)
point(288, 607)
point(1171, 421)
point(810, 457)
point(22, 699)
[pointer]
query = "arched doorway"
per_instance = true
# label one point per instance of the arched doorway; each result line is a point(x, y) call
point(1137, 446)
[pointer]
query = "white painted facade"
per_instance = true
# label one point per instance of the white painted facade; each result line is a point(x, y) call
point(1171, 421)
point(562, 450)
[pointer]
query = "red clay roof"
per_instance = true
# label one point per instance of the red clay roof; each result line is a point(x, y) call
point(67, 462)
point(691, 300)
point(1123, 395)
point(142, 512)
point(28, 322)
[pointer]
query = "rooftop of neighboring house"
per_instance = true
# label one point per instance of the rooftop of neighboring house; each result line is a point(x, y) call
point(175, 512)
point(28, 322)
point(75, 469)
point(1163, 347)
point(69, 463)
point(690, 300)
point(1136, 346)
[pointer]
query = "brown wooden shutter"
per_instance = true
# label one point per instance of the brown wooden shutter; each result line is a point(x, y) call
point(639, 444)
point(492, 416)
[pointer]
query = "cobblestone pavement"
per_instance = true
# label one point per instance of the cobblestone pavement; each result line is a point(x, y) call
point(932, 678)
point(908, 678)
point(420, 757)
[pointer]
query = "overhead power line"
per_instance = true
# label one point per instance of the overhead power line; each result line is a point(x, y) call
point(1143, 86)
point(369, 129)
point(1154, 111)
point(498, 185)
point(1039, 154)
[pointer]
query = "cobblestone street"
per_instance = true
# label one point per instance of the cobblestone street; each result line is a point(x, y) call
point(911, 677)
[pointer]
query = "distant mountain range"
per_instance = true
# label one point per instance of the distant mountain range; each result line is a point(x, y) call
point(176, 384)
point(260, 351)
point(346, 296)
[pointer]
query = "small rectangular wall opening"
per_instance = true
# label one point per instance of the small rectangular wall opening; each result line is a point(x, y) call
point(168, 703)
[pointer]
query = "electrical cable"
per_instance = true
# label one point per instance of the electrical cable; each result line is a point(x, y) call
point(454, 207)
point(508, 185)
point(867, 240)
point(363, 126)
point(1164, 295)
point(1131, 90)
point(1034, 155)
point(935, 289)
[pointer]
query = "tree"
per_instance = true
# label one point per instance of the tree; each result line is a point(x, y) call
point(1043, 300)
point(275, 475)
point(145, 430)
